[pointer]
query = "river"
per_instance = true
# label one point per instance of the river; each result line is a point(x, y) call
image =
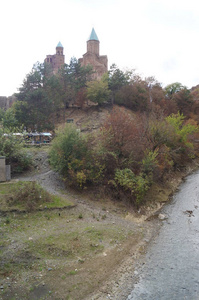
point(170, 269)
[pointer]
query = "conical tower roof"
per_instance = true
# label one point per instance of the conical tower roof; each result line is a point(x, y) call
point(59, 45)
point(93, 36)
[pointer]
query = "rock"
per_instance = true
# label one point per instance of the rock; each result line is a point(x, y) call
point(162, 217)
point(189, 212)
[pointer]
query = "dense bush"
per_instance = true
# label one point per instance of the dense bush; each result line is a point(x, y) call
point(135, 97)
point(122, 137)
point(12, 147)
point(138, 185)
point(129, 153)
point(68, 150)
point(138, 150)
point(71, 155)
point(29, 195)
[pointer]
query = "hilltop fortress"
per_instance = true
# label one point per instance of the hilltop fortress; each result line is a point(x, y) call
point(57, 60)
point(91, 57)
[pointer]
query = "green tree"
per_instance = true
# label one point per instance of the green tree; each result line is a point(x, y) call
point(73, 157)
point(68, 147)
point(172, 89)
point(34, 106)
point(98, 91)
point(34, 111)
point(1, 114)
point(73, 79)
point(117, 79)
point(70, 156)
point(8, 119)
point(43, 93)
point(138, 185)
point(11, 146)
point(182, 130)
point(80, 75)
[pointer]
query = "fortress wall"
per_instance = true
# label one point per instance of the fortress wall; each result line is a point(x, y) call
point(6, 102)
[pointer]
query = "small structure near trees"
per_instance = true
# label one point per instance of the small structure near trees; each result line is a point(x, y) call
point(38, 138)
point(5, 170)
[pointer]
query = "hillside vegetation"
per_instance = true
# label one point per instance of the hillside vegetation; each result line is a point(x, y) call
point(146, 131)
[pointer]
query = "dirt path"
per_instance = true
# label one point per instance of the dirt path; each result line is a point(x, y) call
point(87, 252)
point(43, 174)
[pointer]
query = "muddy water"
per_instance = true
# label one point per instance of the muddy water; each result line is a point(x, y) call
point(170, 269)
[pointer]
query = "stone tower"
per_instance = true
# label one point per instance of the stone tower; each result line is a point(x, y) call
point(92, 57)
point(57, 60)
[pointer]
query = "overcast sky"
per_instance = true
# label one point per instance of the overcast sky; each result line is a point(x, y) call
point(158, 38)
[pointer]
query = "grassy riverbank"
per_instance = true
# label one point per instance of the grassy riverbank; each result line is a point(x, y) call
point(60, 253)
point(85, 248)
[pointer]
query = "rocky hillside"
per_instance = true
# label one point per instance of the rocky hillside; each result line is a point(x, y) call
point(88, 119)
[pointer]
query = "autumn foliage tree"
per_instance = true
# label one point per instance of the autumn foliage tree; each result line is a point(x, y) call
point(133, 96)
point(122, 133)
point(123, 146)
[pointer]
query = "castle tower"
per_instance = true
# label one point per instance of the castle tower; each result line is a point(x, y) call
point(60, 58)
point(57, 60)
point(93, 58)
point(59, 49)
point(93, 43)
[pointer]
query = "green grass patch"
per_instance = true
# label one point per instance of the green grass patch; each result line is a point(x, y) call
point(33, 149)
point(74, 272)
point(8, 188)
point(28, 196)
point(6, 269)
